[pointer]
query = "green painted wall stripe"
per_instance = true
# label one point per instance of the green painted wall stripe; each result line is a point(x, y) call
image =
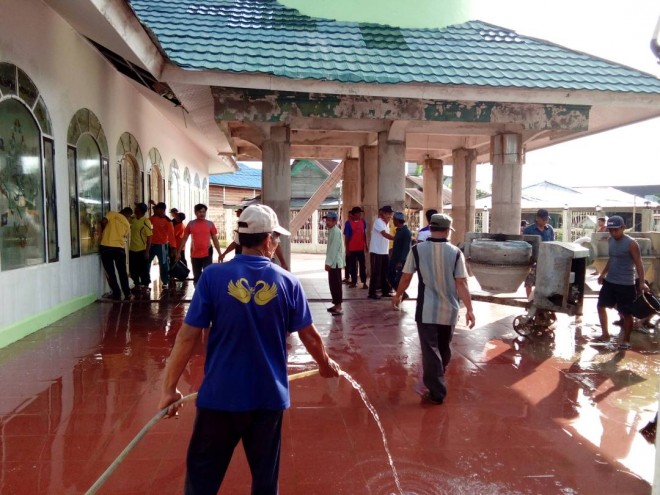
point(16, 331)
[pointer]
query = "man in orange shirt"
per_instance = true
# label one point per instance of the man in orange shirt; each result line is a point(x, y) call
point(162, 241)
point(179, 232)
point(203, 232)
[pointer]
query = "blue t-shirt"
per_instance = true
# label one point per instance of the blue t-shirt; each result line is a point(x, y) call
point(252, 305)
point(547, 234)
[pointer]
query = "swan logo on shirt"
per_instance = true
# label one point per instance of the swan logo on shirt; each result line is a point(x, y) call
point(262, 292)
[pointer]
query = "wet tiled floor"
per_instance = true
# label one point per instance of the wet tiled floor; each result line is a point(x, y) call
point(521, 417)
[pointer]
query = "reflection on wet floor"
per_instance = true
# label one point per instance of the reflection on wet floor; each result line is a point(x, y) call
point(539, 417)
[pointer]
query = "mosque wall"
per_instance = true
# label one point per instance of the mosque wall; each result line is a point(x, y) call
point(70, 75)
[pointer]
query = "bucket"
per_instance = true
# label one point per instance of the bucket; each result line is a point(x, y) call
point(179, 271)
point(644, 306)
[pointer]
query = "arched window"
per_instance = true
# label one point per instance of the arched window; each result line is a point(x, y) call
point(89, 181)
point(28, 215)
point(205, 191)
point(156, 185)
point(187, 196)
point(175, 188)
point(198, 190)
point(130, 173)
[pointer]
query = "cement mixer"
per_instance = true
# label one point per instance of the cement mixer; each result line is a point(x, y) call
point(500, 263)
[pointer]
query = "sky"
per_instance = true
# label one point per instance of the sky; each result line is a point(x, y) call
point(614, 30)
point(611, 29)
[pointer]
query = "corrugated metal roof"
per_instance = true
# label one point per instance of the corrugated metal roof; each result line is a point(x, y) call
point(554, 196)
point(265, 37)
point(246, 178)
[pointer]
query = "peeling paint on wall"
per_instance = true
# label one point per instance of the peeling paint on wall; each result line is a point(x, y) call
point(264, 106)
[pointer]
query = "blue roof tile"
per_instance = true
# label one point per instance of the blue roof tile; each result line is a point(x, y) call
point(264, 36)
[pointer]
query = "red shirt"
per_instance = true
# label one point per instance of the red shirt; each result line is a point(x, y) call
point(201, 232)
point(179, 229)
point(357, 240)
point(163, 231)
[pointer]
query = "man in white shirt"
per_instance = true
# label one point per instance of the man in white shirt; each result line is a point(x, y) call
point(379, 247)
point(335, 258)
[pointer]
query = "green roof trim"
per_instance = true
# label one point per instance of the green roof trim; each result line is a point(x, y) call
point(265, 37)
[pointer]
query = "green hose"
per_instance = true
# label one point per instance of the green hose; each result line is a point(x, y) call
point(115, 464)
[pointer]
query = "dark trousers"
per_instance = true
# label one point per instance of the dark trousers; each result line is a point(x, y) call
point(138, 266)
point(115, 258)
point(198, 265)
point(334, 280)
point(378, 274)
point(356, 259)
point(161, 251)
point(436, 353)
point(394, 274)
point(214, 438)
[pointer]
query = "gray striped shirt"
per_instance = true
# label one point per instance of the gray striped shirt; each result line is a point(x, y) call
point(439, 264)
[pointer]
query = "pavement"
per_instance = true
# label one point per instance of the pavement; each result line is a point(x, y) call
point(544, 416)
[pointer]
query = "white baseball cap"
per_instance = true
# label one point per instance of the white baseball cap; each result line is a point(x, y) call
point(259, 219)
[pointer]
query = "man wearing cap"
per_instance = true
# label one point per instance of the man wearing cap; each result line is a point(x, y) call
point(251, 306)
point(138, 249)
point(379, 248)
point(334, 262)
point(442, 277)
point(115, 229)
point(162, 241)
point(425, 232)
point(355, 233)
point(622, 279)
point(400, 250)
point(543, 229)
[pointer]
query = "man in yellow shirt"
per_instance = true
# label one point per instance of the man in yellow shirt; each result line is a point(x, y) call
point(138, 249)
point(115, 229)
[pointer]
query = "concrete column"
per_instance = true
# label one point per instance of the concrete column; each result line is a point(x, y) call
point(506, 156)
point(485, 220)
point(432, 178)
point(276, 179)
point(351, 187)
point(463, 192)
point(369, 176)
point(315, 229)
point(566, 224)
point(647, 220)
point(391, 173)
point(229, 216)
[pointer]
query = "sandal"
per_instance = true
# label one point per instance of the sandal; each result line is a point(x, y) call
point(624, 346)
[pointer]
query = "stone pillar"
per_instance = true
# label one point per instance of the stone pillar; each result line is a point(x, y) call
point(485, 220)
point(566, 224)
point(463, 192)
point(229, 216)
point(351, 187)
point(432, 178)
point(506, 156)
point(391, 173)
point(315, 230)
point(369, 176)
point(647, 219)
point(276, 179)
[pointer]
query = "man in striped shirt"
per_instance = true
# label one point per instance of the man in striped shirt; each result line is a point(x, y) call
point(442, 276)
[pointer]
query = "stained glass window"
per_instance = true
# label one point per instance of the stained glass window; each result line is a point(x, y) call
point(22, 239)
point(90, 193)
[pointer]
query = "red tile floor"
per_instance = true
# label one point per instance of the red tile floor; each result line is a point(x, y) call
point(521, 417)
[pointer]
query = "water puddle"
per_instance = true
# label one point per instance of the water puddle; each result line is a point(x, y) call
point(372, 409)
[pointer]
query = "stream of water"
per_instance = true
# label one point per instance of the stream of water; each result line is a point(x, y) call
point(372, 409)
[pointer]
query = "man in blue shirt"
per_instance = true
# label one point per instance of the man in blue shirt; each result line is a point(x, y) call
point(251, 306)
point(400, 249)
point(541, 228)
